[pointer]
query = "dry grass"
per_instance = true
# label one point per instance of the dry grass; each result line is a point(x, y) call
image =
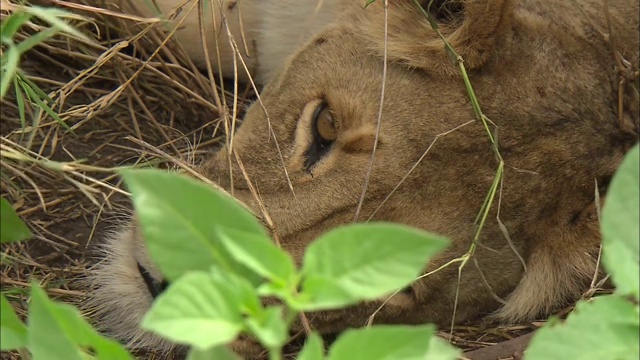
point(124, 107)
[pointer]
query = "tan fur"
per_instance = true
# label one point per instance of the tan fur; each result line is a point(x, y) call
point(117, 302)
point(265, 33)
point(544, 73)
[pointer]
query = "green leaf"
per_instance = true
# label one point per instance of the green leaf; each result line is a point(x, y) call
point(440, 350)
point(620, 234)
point(13, 290)
point(607, 327)
point(13, 229)
point(36, 39)
point(313, 348)
point(55, 17)
point(368, 2)
point(46, 338)
point(363, 262)
point(9, 65)
point(427, 13)
point(180, 219)
point(57, 331)
point(203, 310)
point(37, 96)
point(13, 333)
point(27, 83)
point(20, 103)
point(215, 353)
point(383, 342)
point(269, 327)
point(12, 24)
point(260, 254)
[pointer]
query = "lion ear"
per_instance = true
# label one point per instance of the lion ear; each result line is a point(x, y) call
point(472, 27)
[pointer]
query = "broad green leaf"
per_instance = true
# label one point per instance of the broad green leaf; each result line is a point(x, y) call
point(313, 348)
point(383, 342)
point(260, 254)
point(620, 234)
point(203, 310)
point(607, 327)
point(220, 352)
point(57, 331)
point(13, 333)
point(269, 327)
point(363, 262)
point(180, 217)
point(13, 229)
point(440, 350)
point(45, 337)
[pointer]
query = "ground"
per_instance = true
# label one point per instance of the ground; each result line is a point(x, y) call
point(164, 116)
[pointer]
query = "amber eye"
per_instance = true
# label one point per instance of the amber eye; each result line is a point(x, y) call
point(324, 133)
point(325, 126)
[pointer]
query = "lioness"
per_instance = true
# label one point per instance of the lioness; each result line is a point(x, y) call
point(547, 74)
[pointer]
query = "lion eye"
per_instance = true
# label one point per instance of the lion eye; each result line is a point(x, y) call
point(325, 126)
point(324, 133)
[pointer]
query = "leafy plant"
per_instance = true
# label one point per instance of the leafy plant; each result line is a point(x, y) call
point(620, 234)
point(215, 297)
point(221, 262)
point(13, 333)
point(55, 331)
point(13, 229)
point(26, 89)
point(606, 327)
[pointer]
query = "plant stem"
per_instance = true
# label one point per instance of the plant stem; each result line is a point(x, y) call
point(275, 353)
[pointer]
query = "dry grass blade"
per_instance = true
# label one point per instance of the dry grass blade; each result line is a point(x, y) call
point(62, 182)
